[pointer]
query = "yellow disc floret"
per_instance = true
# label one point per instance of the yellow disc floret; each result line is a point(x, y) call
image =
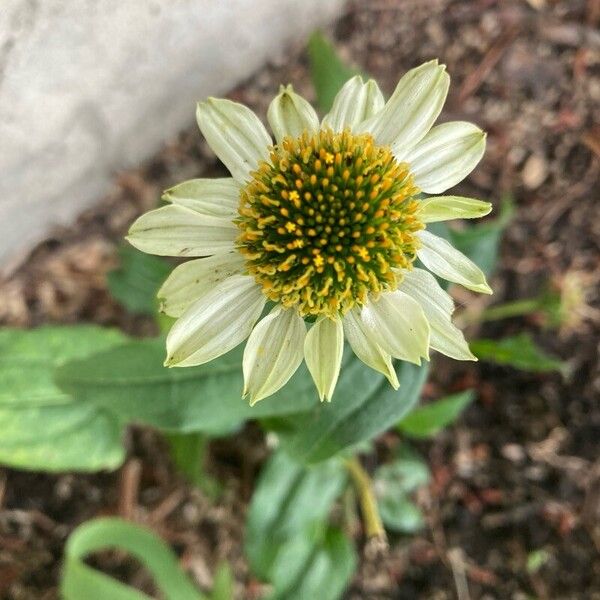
point(325, 220)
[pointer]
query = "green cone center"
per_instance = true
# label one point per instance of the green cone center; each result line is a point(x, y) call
point(326, 219)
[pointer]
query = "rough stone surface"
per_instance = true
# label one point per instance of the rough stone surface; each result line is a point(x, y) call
point(88, 88)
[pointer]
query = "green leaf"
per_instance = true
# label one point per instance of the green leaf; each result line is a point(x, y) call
point(519, 351)
point(223, 584)
point(427, 421)
point(401, 514)
point(289, 499)
point(57, 344)
point(42, 426)
point(288, 541)
point(328, 72)
point(481, 242)
point(306, 570)
point(137, 280)
point(132, 383)
point(363, 406)
point(188, 452)
point(82, 581)
point(393, 483)
point(536, 559)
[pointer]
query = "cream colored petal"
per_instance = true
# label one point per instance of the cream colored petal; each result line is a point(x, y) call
point(420, 284)
point(323, 350)
point(193, 279)
point(179, 231)
point(438, 308)
point(444, 208)
point(398, 325)
point(291, 115)
point(273, 353)
point(215, 324)
point(412, 109)
point(354, 103)
point(235, 134)
point(449, 339)
point(443, 259)
point(445, 156)
point(215, 197)
point(366, 349)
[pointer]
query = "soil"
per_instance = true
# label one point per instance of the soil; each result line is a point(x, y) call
point(520, 471)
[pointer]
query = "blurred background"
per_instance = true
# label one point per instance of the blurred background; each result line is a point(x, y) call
point(97, 118)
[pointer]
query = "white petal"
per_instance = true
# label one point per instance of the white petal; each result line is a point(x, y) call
point(218, 322)
point(367, 349)
point(235, 134)
point(193, 279)
point(412, 109)
point(445, 156)
point(397, 323)
point(438, 308)
point(179, 231)
point(323, 349)
point(419, 284)
point(354, 103)
point(443, 259)
point(290, 114)
point(273, 353)
point(444, 208)
point(216, 197)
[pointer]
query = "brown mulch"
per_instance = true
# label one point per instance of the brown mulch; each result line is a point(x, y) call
point(520, 471)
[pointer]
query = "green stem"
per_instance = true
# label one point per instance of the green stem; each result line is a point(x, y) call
point(517, 308)
point(188, 451)
point(366, 498)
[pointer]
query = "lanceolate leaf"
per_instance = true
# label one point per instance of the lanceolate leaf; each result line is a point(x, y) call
point(81, 581)
point(135, 282)
point(290, 499)
point(519, 351)
point(96, 396)
point(132, 383)
point(56, 344)
point(288, 541)
point(59, 438)
point(46, 424)
point(366, 405)
point(428, 420)
point(42, 426)
point(322, 570)
point(327, 70)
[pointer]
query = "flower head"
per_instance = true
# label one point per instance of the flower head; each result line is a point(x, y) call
point(325, 225)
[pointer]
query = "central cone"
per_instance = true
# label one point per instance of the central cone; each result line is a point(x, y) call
point(326, 219)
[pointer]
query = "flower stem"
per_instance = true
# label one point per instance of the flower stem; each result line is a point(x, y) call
point(517, 308)
point(366, 498)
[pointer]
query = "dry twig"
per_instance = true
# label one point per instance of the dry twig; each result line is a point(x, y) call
point(129, 489)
